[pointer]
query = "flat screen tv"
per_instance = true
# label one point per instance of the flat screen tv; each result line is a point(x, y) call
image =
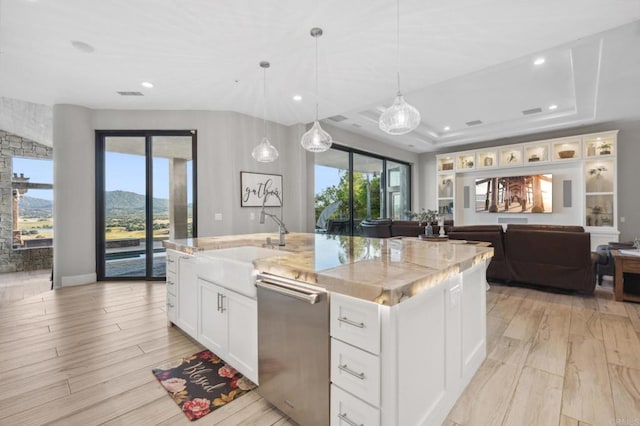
point(515, 194)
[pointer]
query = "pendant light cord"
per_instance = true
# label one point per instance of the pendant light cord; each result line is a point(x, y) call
point(316, 77)
point(398, 43)
point(264, 99)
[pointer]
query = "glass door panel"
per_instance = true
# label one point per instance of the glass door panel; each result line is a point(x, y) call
point(332, 189)
point(398, 190)
point(172, 202)
point(145, 186)
point(125, 211)
point(367, 189)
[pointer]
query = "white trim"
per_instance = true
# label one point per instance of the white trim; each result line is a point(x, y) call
point(79, 279)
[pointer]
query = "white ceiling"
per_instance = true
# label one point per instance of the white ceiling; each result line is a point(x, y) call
point(461, 60)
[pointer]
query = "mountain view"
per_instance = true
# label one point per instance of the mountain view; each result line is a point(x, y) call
point(118, 203)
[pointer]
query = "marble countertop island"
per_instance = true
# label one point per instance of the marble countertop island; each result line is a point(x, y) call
point(384, 271)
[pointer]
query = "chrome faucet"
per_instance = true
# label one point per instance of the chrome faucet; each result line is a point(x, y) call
point(282, 229)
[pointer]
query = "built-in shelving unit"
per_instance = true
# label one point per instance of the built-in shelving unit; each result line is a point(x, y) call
point(595, 154)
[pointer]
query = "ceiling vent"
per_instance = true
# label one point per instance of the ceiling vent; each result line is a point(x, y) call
point(130, 94)
point(473, 123)
point(531, 111)
point(338, 118)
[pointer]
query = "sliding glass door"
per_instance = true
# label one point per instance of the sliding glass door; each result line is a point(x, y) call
point(352, 185)
point(145, 185)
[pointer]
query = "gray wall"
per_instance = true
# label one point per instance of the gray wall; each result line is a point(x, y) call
point(628, 168)
point(225, 141)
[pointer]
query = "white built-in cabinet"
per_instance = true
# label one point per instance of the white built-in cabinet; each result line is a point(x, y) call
point(222, 320)
point(595, 154)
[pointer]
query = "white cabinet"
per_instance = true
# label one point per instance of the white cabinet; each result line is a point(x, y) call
point(212, 330)
point(228, 326)
point(186, 295)
point(407, 364)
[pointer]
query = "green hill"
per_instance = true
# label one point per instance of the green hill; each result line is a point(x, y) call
point(117, 203)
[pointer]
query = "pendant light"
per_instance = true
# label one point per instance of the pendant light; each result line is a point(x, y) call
point(264, 152)
point(401, 117)
point(316, 139)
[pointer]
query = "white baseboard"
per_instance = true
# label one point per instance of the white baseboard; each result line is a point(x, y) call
point(79, 280)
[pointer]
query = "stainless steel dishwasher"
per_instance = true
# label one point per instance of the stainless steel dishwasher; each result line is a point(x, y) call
point(293, 348)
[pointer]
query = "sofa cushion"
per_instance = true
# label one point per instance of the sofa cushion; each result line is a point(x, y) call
point(539, 227)
point(551, 258)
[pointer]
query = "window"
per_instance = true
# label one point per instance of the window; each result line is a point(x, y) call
point(351, 186)
point(32, 189)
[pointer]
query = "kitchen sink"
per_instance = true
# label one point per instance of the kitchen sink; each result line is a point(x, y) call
point(232, 267)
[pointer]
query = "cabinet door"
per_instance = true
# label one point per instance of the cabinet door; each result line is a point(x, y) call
point(212, 331)
point(186, 314)
point(242, 339)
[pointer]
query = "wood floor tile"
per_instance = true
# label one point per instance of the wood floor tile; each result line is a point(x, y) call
point(549, 347)
point(607, 305)
point(526, 321)
point(537, 399)
point(587, 391)
point(568, 421)
point(633, 311)
point(625, 386)
point(486, 399)
point(620, 341)
point(510, 351)
point(506, 306)
point(585, 323)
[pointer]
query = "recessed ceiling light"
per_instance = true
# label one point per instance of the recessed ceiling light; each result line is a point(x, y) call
point(447, 128)
point(538, 61)
point(552, 107)
point(297, 98)
point(147, 84)
point(82, 46)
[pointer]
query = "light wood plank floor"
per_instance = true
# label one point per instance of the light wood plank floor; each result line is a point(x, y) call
point(82, 356)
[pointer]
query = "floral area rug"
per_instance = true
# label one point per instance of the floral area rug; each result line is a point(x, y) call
point(201, 383)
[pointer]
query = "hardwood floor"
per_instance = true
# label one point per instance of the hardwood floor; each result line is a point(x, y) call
point(82, 356)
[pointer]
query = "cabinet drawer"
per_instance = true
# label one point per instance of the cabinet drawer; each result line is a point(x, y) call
point(356, 371)
point(172, 261)
point(356, 322)
point(171, 283)
point(171, 307)
point(347, 410)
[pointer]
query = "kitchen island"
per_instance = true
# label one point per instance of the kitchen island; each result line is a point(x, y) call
point(407, 323)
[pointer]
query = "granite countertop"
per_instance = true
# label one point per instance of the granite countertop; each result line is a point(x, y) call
point(385, 271)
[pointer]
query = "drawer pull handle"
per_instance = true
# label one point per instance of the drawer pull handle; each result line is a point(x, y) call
point(350, 371)
point(347, 420)
point(170, 260)
point(222, 308)
point(170, 305)
point(353, 323)
point(170, 282)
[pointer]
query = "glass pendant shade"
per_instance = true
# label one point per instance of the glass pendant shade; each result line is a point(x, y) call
point(399, 118)
point(264, 152)
point(316, 139)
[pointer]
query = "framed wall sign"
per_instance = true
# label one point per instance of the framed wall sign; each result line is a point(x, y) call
point(255, 186)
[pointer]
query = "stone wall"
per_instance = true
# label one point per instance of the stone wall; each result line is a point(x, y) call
point(27, 259)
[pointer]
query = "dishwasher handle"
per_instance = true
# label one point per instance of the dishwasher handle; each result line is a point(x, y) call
point(289, 289)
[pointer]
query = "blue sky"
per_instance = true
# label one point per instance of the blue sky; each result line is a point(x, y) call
point(326, 177)
point(125, 172)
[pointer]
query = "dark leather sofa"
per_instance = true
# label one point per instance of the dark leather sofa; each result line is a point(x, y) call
point(384, 228)
point(547, 255)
